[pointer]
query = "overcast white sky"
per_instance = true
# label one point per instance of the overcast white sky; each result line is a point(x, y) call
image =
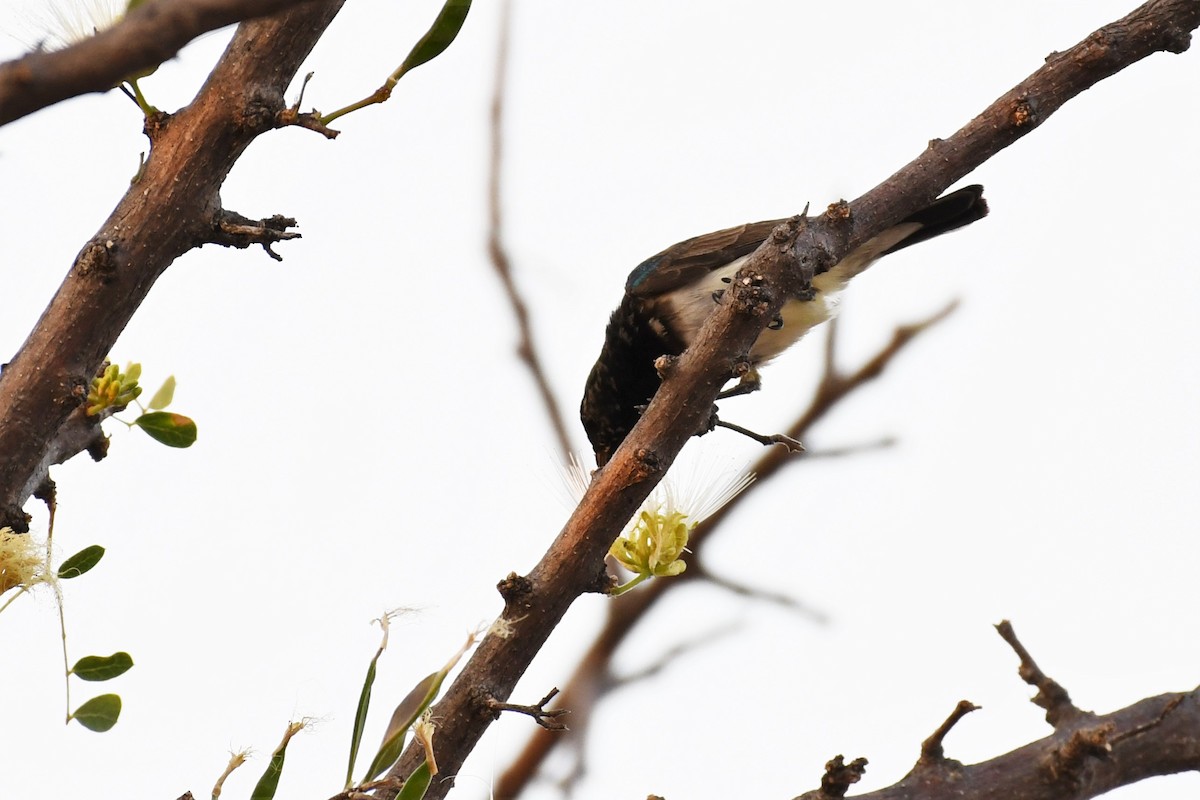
point(369, 440)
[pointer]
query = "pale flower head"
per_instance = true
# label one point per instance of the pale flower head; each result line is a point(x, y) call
point(55, 24)
point(657, 536)
point(22, 560)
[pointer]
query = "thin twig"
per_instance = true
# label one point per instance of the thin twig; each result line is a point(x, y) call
point(780, 599)
point(526, 349)
point(548, 720)
point(1051, 696)
point(931, 749)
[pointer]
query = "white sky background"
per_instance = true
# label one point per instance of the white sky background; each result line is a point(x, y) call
point(368, 438)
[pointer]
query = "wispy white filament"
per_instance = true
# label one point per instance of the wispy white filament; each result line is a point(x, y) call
point(55, 24)
point(697, 489)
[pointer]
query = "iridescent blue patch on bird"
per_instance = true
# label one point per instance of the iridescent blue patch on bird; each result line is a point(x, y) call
point(641, 272)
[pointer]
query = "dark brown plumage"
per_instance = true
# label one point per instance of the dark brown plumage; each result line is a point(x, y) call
point(669, 295)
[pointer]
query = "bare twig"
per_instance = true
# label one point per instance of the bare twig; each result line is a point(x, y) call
point(548, 720)
point(882, 443)
point(766, 440)
point(526, 349)
point(148, 36)
point(668, 657)
point(698, 570)
point(931, 748)
point(234, 230)
point(1051, 696)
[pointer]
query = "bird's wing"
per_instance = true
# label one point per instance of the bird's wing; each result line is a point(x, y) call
point(684, 263)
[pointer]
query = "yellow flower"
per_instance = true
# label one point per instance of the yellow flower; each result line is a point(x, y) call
point(657, 536)
point(22, 560)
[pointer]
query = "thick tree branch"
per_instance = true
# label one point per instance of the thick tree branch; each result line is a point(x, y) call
point(148, 36)
point(575, 562)
point(1091, 756)
point(1086, 756)
point(591, 678)
point(173, 207)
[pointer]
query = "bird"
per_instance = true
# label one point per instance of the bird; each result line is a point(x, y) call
point(670, 295)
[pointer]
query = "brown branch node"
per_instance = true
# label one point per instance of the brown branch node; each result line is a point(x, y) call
point(838, 778)
point(1066, 764)
point(546, 719)
point(234, 230)
point(310, 120)
point(514, 588)
point(1051, 696)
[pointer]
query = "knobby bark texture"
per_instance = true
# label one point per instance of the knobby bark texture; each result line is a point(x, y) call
point(593, 676)
point(173, 207)
point(1092, 755)
point(574, 564)
point(1087, 755)
point(148, 36)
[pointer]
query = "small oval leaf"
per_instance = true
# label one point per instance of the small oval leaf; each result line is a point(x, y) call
point(102, 668)
point(173, 430)
point(162, 398)
point(100, 713)
point(439, 36)
point(81, 562)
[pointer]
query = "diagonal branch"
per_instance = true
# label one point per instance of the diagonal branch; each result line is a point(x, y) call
point(1090, 756)
point(496, 250)
point(148, 36)
point(589, 681)
point(574, 564)
point(174, 207)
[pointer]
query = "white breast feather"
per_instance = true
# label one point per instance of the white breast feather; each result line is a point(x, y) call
point(688, 309)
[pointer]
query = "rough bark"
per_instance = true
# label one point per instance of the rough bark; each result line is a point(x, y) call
point(574, 564)
point(173, 207)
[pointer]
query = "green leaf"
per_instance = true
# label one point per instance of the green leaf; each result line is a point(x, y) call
point(173, 430)
point(102, 668)
point(435, 41)
point(360, 716)
point(100, 713)
point(417, 784)
point(269, 782)
point(409, 710)
point(81, 562)
point(162, 398)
